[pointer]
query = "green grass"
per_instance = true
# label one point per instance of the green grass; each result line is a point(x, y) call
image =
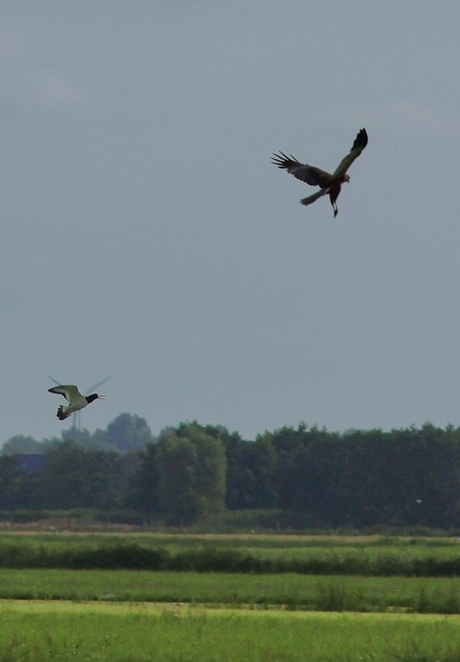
point(265, 547)
point(271, 541)
point(227, 554)
point(142, 615)
point(294, 592)
point(141, 629)
point(33, 631)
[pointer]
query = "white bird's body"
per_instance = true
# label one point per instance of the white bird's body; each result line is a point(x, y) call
point(75, 399)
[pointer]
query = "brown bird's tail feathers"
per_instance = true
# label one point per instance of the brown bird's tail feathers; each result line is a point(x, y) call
point(314, 197)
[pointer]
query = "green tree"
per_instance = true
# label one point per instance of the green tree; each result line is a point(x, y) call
point(128, 433)
point(75, 478)
point(241, 482)
point(62, 478)
point(251, 470)
point(25, 445)
point(11, 480)
point(82, 438)
point(142, 492)
point(191, 468)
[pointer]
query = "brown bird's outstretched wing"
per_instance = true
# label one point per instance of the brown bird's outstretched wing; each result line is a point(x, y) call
point(303, 171)
point(359, 144)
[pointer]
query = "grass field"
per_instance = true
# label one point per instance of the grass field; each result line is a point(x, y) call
point(135, 615)
point(294, 592)
point(257, 553)
point(237, 540)
point(69, 631)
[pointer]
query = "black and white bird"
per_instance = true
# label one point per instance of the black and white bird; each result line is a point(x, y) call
point(75, 399)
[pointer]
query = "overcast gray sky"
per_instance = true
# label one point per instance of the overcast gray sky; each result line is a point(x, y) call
point(147, 236)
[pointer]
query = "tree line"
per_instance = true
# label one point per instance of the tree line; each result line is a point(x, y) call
point(322, 479)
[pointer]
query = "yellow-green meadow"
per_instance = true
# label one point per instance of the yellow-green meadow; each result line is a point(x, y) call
point(119, 632)
point(186, 615)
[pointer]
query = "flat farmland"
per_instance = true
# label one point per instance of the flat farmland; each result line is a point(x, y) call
point(322, 555)
point(285, 591)
point(95, 631)
point(375, 608)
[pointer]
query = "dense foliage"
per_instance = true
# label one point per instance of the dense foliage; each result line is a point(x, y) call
point(126, 433)
point(322, 479)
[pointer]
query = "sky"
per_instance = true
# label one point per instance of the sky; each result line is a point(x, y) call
point(147, 237)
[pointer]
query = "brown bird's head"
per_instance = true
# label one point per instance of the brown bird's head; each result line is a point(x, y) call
point(346, 177)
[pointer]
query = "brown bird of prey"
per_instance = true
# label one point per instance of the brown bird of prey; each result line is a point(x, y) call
point(329, 184)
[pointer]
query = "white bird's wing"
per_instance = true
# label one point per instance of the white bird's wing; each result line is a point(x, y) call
point(359, 144)
point(70, 392)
